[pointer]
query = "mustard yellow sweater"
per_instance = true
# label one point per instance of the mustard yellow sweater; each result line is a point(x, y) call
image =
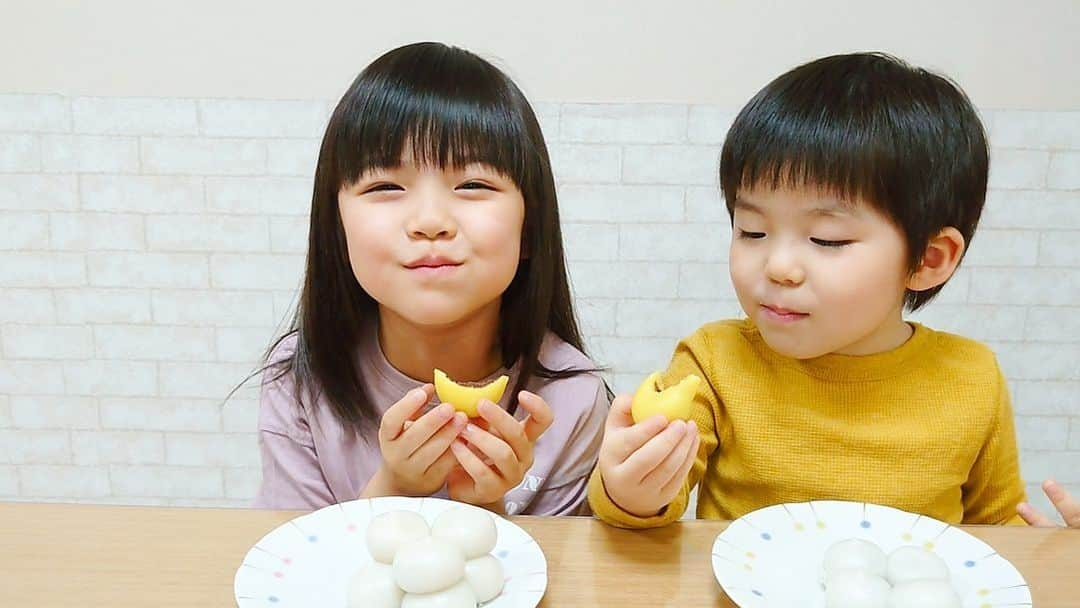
point(926, 427)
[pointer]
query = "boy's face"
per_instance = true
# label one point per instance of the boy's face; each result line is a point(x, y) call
point(817, 275)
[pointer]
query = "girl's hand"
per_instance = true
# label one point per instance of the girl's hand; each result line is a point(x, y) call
point(1066, 505)
point(494, 460)
point(415, 448)
point(643, 465)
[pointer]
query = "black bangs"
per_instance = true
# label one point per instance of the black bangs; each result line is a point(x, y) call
point(824, 126)
point(438, 105)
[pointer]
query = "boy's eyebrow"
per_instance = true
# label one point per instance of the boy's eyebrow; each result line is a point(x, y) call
point(834, 210)
point(744, 205)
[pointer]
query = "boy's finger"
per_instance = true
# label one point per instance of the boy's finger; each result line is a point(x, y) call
point(662, 474)
point(676, 482)
point(393, 421)
point(1033, 517)
point(655, 451)
point(625, 442)
point(619, 416)
point(1065, 504)
point(540, 415)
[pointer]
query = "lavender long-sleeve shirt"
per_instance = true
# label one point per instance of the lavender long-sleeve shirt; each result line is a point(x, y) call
point(309, 460)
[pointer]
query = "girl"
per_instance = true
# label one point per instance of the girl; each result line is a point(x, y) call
point(434, 243)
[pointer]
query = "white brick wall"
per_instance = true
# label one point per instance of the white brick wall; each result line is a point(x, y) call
point(150, 247)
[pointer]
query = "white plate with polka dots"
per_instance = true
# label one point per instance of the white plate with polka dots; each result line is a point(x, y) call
point(308, 561)
point(772, 556)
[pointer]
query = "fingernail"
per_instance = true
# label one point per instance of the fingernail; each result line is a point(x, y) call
point(445, 411)
point(417, 393)
point(471, 428)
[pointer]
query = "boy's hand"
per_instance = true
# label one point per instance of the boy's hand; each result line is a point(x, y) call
point(1066, 505)
point(643, 465)
point(415, 448)
point(494, 460)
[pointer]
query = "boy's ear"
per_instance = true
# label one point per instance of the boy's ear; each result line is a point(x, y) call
point(939, 261)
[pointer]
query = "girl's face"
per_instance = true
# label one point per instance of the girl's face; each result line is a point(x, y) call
point(433, 246)
point(817, 276)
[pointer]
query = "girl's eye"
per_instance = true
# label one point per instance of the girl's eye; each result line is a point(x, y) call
point(743, 234)
point(827, 243)
point(383, 187)
point(475, 186)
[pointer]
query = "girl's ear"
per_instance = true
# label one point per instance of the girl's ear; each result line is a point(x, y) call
point(939, 260)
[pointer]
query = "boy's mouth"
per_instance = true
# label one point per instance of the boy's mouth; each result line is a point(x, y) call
point(781, 314)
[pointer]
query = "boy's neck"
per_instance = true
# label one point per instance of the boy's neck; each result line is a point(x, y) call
point(467, 350)
point(890, 335)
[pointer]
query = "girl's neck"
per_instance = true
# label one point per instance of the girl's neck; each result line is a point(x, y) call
point(467, 350)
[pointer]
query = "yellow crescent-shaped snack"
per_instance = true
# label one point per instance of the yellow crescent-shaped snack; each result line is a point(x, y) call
point(674, 402)
point(466, 398)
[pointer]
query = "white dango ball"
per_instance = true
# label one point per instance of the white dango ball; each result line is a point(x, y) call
point(390, 531)
point(458, 596)
point(485, 576)
point(924, 594)
point(471, 530)
point(908, 564)
point(856, 589)
point(854, 554)
point(373, 586)
point(428, 565)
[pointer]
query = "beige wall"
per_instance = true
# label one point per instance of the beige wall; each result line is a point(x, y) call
point(1006, 53)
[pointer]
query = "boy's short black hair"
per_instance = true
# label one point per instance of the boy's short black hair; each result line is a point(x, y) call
point(867, 126)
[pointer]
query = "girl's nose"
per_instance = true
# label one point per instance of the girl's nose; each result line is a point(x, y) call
point(431, 220)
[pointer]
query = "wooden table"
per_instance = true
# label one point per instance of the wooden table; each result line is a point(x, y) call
point(84, 555)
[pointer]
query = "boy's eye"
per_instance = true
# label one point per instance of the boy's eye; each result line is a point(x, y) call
point(743, 234)
point(827, 243)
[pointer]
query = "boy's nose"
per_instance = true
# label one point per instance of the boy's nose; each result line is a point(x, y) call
point(782, 268)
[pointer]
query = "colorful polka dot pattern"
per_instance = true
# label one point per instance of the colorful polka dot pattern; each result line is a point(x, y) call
point(766, 534)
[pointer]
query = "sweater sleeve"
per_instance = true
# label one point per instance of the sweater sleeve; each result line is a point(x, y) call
point(692, 356)
point(994, 487)
point(291, 475)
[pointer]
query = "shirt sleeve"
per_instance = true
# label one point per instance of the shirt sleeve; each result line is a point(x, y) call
point(691, 357)
point(994, 487)
point(565, 493)
point(291, 475)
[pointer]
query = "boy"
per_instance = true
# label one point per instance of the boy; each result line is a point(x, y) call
point(854, 184)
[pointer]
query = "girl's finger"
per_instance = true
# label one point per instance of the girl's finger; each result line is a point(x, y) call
point(480, 472)
point(429, 450)
point(506, 427)
point(540, 415)
point(442, 466)
point(393, 421)
point(496, 450)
